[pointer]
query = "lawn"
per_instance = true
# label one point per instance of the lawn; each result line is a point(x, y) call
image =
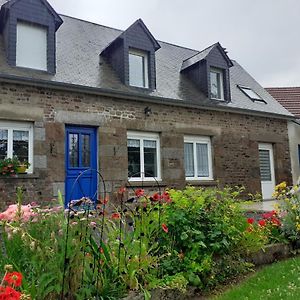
point(278, 281)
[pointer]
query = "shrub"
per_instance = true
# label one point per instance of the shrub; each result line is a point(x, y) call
point(207, 230)
point(289, 209)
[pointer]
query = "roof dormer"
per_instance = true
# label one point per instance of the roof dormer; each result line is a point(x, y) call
point(132, 56)
point(209, 70)
point(29, 30)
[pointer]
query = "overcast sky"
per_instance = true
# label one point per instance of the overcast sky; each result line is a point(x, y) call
point(262, 35)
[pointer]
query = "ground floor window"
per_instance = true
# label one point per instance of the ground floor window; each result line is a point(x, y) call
point(143, 156)
point(16, 140)
point(197, 158)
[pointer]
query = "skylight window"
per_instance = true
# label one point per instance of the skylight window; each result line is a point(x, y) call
point(251, 94)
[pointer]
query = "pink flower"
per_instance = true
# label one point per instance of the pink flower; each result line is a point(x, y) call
point(139, 192)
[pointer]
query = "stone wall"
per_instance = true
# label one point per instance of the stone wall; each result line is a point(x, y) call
point(234, 138)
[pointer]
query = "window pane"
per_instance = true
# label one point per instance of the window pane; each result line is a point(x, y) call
point(150, 161)
point(73, 150)
point(136, 70)
point(251, 94)
point(21, 144)
point(189, 159)
point(265, 165)
point(202, 160)
point(3, 143)
point(31, 46)
point(86, 150)
point(134, 159)
point(215, 85)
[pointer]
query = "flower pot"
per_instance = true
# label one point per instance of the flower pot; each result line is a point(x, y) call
point(21, 169)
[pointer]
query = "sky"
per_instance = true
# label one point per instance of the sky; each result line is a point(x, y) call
point(262, 35)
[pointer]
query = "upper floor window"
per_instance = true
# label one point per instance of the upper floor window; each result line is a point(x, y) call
point(138, 68)
point(143, 156)
point(31, 48)
point(16, 140)
point(197, 158)
point(216, 84)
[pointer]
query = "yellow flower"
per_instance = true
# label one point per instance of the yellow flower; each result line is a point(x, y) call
point(294, 207)
point(298, 226)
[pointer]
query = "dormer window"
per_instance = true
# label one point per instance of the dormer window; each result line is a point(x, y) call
point(138, 68)
point(31, 46)
point(216, 84)
point(251, 94)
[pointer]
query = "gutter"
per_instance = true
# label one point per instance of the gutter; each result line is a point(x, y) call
point(132, 96)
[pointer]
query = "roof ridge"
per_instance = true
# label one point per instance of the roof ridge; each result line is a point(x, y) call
point(121, 31)
point(90, 22)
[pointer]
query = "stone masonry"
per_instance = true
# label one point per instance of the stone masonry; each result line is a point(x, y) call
point(235, 139)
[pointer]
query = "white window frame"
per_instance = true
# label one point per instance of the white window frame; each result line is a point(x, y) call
point(144, 55)
point(220, 73)
point(141, 136)
point(38, 60)
point(24, 126)
point(200, 140)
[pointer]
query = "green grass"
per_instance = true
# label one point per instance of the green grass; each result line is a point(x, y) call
point(278, 281)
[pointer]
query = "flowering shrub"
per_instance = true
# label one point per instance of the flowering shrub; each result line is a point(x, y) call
point(9, 166)
point(268, 227)
point(207, 236)
point(289, 208)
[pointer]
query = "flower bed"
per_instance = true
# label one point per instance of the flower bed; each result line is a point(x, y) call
point(167, 240)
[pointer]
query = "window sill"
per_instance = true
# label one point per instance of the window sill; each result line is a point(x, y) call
point(21, 176)
point(145, 183)
point(202, 182)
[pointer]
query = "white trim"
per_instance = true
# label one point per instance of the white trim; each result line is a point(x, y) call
point(144, 55)
point(25, 126)
point(141, 136)
point(200, 140)
point(220, 72)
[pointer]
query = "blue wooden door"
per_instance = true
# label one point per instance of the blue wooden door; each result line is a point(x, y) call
point(81, 163)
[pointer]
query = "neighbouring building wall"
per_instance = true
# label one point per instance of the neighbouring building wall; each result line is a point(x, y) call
point(294, 141)
point(234, 139)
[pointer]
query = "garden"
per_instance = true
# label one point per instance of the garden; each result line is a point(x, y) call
point(139, 245)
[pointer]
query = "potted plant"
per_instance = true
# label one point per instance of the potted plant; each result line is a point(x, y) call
point(22, 167)
point(9, 166)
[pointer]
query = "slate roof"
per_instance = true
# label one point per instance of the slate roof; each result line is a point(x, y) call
point(78, 60)
point(202, 55)
point(288, 97)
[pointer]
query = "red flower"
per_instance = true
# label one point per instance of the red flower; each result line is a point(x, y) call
point(139, 192)
point(164, 228)
point(115, 216)
point(8, 293)
point(14, 278)
point(156, 197)
point(262, 223)
point(275, 221)
point(250, 220)
point(101, 250)
point(122, 190)
point(166, 197)
point(103, 201)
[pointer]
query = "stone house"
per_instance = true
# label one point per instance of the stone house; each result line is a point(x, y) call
point(75, 95)
point(289, 97)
